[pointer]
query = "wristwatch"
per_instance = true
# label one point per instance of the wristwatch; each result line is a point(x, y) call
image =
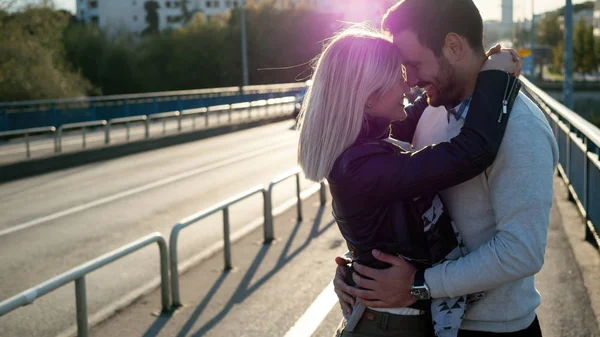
point(419, 289)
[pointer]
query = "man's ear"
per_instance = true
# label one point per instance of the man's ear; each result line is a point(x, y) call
point(454, 47)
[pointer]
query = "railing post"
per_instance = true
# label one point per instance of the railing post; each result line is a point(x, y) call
point(83, 131)
point(128, 137)
point(27, 145)
point(147, 131)
point(323, 193)
point(179, 121)
point(164, 274)
point(230, 112)
point(81, 305)
point(107, 133)
point(206, 118)
point(174, 266)
point(299, 204)
point(268, 210)
point(226, 239)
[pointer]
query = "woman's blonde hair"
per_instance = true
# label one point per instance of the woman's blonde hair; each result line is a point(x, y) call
point(356, 63)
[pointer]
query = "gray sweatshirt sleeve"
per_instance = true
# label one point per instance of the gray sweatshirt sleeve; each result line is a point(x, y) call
point(520, 183)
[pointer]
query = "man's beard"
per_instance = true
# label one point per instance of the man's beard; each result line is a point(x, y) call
point(448, 86)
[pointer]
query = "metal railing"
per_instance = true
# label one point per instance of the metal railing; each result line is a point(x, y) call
point(124, 120)
point(269, 231)
point(78, 274)
point(147, 119)
point(164, 116)
point(26, 133)
point(83, 126)
point(579, 146)
point(173, 240)
point(29, 114)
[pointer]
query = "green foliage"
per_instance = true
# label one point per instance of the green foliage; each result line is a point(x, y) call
point(51, 55)
point(32, 62)
point(584, 57)
point(548, 31)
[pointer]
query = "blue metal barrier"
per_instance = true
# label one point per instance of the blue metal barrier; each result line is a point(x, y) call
point(579, 164)
point(31, 114)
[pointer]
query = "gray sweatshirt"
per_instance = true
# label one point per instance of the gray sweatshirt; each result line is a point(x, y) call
point(503, 217)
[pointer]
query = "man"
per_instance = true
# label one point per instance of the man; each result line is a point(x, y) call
point(502, 215)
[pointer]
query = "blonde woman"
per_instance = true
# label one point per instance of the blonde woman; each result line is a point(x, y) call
point(384, 197)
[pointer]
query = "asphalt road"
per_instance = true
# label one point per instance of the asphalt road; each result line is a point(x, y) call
point(53, 222)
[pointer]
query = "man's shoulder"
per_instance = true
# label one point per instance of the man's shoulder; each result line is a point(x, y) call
point(526, 115)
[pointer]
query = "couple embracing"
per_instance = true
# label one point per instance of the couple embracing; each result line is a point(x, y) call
point(444, 204)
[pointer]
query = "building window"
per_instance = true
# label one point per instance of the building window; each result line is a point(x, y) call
point(208, 4)
point(82, 13)
point(93, 4)
point(168, 3)
point(217, 4)
point(133, 3)
point(94, 19)
point(176, 3)
point(135, 18)
point(235, 4)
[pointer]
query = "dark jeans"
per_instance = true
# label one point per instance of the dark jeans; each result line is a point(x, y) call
point(532, 331)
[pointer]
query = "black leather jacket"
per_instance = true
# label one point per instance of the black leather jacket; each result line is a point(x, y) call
point(374, 183)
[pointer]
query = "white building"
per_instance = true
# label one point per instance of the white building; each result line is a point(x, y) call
point(131, 15)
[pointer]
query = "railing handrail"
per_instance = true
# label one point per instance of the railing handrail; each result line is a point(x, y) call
point(29, 131)
point(159, 94)
point(70, 126)
point(168, 114)
point(589, 130)
point(138, 118)
point(75, 274)
point(188, 221)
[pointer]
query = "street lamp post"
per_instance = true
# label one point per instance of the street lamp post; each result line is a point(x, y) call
point(568, 83)
point(244, 44)
point(532, 42)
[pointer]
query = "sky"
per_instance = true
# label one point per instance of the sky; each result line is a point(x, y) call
point(490, 9)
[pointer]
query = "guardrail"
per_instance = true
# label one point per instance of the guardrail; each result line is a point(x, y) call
point(164, 116)
point(78, 274)
point(206, 112)
point(124, 120)
point(579, 165)
point(223, 206)
point(54, 112)
point(83, 126)
point(26, 133)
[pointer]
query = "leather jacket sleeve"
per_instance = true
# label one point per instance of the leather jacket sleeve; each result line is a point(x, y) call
point(386, 175)
point(405, 130)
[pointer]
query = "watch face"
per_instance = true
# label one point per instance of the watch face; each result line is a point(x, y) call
point(420, 293)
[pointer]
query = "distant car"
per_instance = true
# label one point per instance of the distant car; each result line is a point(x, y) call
point(300, 99)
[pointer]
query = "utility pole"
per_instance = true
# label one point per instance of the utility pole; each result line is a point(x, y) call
point(568, 84)
point(244, 45)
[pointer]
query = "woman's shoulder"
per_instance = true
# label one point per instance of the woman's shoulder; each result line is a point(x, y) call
point(348, 165)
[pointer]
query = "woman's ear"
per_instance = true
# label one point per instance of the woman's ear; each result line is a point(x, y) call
point(370, 103)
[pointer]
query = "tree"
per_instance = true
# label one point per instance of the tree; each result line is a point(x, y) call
point(548, 30)
point(584, 53)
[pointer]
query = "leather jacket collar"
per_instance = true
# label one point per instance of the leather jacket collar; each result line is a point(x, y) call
point(374, 128)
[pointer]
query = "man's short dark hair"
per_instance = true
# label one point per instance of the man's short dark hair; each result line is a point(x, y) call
point(432, 20)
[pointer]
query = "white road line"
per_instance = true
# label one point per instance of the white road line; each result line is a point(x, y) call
point(306, 325)
point(139, 189)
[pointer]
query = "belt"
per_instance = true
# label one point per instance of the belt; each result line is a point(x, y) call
point(388, 321)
